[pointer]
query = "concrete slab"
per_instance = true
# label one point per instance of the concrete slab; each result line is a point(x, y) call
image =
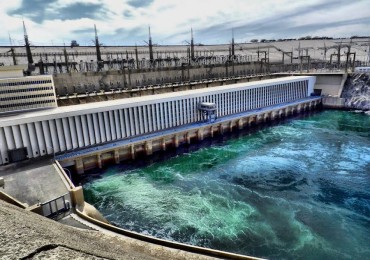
point(32, 182)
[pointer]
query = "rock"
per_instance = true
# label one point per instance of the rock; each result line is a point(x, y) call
point(356, 91)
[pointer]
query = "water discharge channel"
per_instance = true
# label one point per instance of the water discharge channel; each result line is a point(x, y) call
point(297, 190)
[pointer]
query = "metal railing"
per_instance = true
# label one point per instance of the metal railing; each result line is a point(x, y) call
point(57, 206)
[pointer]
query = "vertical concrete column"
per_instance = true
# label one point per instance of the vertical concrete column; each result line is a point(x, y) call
point(200, 134)
point(188, 114)
point(136, 121)
point(33, 140)
point(163, 144)
point(211, 129)
point(266, 117)
point(249, 120)
point(17, 136)
point(181, 112)
point(127, 121)
point(151, 123)
point(132, 152)
point(106, 126)
point(79, 166)
point(241, 123)
point(287, 112)
point(9, 137)
point(160, 116)
point(146, 122)
point(72, 130)
point(281, 113)
point(155, 116)
point(241, 100)
point(112, 125)
point(173, 114)
point(117, 124)
point(221, 129)
point(260, 118)
point(40, 138)
point(152, 117)
point(103, 137)
point(48, 141)
point(116, 156)
point(4, 148)
point(176, 141)
point(229, 103)
point(85, 130)
point(140, 120)
point(26, 140)
point(80, 137)
point(132, 122)
point(231, 126)
point(77, 196)
point(60, 134)
point(188, 139)
point(122, 123)
point(98, 158)
point(93, 124)
point(165, 107)
point(148, 148)
point(67, 133)
point(274, 115)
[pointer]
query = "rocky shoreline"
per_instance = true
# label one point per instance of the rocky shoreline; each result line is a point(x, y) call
point(356, 92)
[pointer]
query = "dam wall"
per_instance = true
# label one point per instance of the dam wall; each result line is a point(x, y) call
point(148, 144)
point(79, 82)
point(70, 128)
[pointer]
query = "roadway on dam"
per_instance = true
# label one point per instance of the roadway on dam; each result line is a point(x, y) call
point(109, 146)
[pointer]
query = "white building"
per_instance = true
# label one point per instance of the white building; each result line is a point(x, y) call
point(19, 93)
point(65, 128)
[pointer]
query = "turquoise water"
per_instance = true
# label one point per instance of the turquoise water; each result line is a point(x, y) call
point(298, 190)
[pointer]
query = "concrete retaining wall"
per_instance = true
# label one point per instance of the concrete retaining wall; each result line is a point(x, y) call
point(333, 102)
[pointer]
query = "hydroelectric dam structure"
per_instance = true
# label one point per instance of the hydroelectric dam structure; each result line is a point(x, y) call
point(88, 135)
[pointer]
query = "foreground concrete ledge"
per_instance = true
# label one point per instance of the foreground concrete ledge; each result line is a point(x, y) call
point(25, 235)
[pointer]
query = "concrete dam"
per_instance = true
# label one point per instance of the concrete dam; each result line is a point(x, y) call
point(66, 129)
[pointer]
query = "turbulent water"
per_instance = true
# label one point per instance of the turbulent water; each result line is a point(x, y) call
point(298, 190)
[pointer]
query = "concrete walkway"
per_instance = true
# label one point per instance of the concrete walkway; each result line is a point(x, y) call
point(33, 181)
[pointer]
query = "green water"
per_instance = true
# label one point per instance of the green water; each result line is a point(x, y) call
point(298, 190)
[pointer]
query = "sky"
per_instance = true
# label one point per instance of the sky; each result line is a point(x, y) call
point(125, 22)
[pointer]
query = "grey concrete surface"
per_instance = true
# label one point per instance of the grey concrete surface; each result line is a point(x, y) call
point(32, 182)
point(25, 235)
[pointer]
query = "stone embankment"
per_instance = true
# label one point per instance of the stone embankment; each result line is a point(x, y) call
point(356, 91)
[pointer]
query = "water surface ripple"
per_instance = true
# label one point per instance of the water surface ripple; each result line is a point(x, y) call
point(299, 190)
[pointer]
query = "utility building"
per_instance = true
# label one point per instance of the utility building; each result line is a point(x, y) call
point(67, 128)
point(19, 93)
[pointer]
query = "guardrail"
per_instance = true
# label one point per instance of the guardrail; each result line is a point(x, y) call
point(57, 206)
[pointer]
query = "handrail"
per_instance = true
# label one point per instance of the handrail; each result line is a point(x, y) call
point(6, 197)
point(64, 175)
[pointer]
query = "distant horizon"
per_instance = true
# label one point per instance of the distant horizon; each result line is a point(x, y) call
point(126, 22)
point(199, 45)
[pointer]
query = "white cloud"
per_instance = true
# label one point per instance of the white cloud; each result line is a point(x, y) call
point(170, 20)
